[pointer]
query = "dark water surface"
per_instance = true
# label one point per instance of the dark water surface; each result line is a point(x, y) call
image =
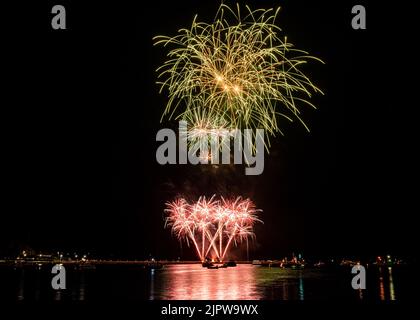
point(190, 281)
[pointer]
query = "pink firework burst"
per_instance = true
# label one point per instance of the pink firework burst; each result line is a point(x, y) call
point(212, 225)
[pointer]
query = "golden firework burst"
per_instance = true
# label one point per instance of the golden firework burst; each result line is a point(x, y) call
point(234, 73)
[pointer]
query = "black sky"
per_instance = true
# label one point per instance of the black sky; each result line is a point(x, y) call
point(81, 126)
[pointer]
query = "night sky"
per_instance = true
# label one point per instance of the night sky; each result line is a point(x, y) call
point(80, 128)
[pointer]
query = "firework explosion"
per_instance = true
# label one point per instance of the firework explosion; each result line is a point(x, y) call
point(212, 225)
point(234, 73)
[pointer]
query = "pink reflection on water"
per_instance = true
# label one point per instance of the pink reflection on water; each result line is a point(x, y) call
point(193, 282)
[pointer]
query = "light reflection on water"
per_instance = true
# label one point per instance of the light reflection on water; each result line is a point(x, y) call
point(386, 280)
point(391, 285)
point(193, 282)
point(381, 286)
point(244, 282)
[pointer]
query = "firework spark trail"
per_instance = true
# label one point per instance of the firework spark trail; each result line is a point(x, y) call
point(234, 73)
point(211, 221)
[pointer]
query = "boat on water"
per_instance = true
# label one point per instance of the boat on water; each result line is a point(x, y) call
point(230, 263)
point(293, 265)
point(265, 263)
point(276, 264)
point(212, 265)
point(207, 264)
